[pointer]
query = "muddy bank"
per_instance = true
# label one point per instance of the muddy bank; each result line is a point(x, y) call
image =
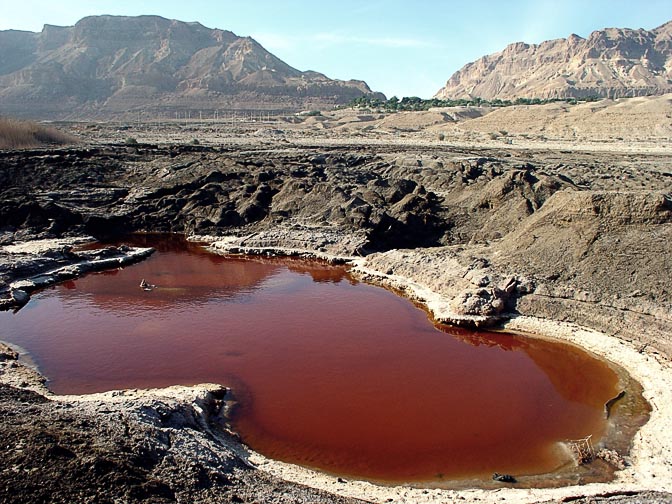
point(165, 445)
point(579, 237)
point(479, 236)
point(139, 445)
point(29, 266)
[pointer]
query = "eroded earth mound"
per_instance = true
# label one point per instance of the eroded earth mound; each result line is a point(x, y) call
point(578, 237)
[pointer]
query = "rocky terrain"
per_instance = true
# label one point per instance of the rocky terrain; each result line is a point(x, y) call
point(610, 63)
point(567, 244)
point(130, 446)
point(114, 66)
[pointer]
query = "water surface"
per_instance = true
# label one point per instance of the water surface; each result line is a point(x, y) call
point(329, 373)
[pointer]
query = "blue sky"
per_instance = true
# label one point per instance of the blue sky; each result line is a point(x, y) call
point(399, 47)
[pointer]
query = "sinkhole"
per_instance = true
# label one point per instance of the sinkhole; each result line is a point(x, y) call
point(328, 372)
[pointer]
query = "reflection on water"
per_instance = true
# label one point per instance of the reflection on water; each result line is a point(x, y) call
point(330, 373)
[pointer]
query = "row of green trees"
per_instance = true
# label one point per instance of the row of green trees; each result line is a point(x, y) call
point(413, 103)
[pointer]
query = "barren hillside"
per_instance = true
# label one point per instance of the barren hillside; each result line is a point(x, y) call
point(612, 63)
point(113, 65)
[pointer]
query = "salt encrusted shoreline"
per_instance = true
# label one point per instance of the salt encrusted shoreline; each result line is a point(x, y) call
point(62, 264)
point(650, 459)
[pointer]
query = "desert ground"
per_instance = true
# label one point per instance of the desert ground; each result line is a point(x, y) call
point(551, 220)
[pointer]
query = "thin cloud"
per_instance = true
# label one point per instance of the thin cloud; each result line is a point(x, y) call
point(395, 42)
point(276, 41)
point(281, 41)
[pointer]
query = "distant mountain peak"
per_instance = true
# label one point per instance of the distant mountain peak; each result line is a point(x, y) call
point(112, 65)
point(613, 62)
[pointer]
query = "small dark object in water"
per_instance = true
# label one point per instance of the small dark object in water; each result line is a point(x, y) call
point(146, 286)
point(504, 478)
point(608, 405)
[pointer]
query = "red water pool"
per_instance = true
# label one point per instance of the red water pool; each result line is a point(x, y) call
point(329, 373)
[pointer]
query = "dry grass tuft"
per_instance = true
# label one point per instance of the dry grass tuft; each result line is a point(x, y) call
point(18, 134)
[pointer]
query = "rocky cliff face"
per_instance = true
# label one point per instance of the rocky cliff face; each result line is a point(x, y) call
point(609, 63)
point(114, 65)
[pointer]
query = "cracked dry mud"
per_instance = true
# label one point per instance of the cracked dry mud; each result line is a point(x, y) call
point(479, 236)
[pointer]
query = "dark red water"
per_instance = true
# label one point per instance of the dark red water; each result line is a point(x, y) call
point(330, 373)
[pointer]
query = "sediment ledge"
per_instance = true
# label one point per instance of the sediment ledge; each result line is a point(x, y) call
point(38, 264)
point(158, 446)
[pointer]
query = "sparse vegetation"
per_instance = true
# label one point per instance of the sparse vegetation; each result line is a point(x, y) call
point(20, 134)
point(413, 103)
point(131, 141)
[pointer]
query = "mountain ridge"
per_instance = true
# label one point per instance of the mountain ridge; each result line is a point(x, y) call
point(111, 65)
point(609, 63)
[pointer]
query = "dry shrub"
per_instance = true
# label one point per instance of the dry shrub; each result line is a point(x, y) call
point(18, 134)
